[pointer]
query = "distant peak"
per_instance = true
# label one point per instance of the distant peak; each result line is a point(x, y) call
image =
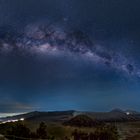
point(117, 110)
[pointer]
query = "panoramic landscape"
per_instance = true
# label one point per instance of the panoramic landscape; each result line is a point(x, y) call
point(72, 125)
point(69, 70)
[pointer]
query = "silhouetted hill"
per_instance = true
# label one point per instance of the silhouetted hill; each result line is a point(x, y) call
point(117, 110)
point(44, 116)
point(81, 121)
point(115, 115)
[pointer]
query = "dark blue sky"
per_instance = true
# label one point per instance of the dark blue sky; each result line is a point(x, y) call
point(69, 54)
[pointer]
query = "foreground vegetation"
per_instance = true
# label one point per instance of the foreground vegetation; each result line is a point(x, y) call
point(58, 132)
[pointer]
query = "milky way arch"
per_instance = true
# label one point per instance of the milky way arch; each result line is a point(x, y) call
point(45, 39)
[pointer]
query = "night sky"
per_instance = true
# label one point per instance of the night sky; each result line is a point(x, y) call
point(69, 54)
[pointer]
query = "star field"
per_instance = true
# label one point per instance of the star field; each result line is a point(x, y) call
point(69, 54)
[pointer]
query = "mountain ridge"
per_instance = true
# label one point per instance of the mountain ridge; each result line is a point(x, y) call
point(62, 116)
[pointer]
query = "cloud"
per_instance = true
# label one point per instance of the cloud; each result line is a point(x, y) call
point(15, 107)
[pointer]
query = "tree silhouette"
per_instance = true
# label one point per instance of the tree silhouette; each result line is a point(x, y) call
point(19, 130)
point(41, 132)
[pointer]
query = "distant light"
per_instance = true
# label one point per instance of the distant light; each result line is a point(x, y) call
point(9, 121)
point(127, 113)
point(22, 119)
point(13, 120)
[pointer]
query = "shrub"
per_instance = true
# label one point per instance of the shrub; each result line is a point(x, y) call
point(41, 132)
